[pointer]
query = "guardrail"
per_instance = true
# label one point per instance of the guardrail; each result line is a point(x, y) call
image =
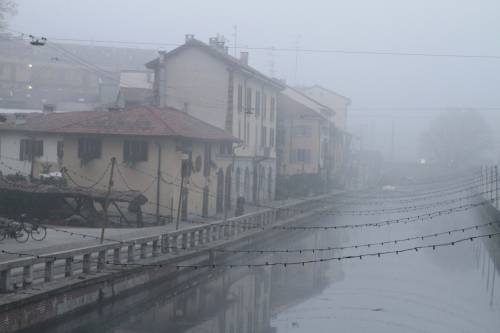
point(34, 270)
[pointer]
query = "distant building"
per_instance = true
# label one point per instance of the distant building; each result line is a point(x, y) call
point(341, 138)
point(136, 88)
point(303, 142)
point(209, 84)
point(70, 76)
point(156, 150)
point(333, 100)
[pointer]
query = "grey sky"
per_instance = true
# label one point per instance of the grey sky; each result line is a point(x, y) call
point(429, 26)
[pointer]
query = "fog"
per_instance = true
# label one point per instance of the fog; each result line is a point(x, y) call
point(382, 88)
point(220, 198)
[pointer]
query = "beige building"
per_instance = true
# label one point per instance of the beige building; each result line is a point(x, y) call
point(209, 84)
point(339, 149)
point(304, 128)
point(331, 99)
point(150, 145)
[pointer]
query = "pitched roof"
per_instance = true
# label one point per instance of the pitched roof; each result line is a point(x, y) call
point(221, 55)
point(307, 88)
point(140, 121)
point(308, 104)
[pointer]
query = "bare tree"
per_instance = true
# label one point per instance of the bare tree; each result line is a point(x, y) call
point(456, 138)
point(7, 7)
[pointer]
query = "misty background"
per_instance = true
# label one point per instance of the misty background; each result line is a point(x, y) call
point(404, 92)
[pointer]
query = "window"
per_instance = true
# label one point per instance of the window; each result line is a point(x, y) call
point(263, 138)
point(273, 108)
point(135, 151)
point(207, 160)
point(247, 139)
point(240, 98)
point(89, 148)
point(60, 149)
point(257, 103)
point(300, 156)
point(271, 137)
point(248, 101)
point(30, 148)
point(264, 106)
point(226, 149)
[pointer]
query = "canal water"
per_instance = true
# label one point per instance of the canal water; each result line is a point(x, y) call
point(451, 288)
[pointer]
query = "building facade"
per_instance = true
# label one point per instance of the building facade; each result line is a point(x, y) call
point(304, 127)
point(209, 84)
point(341, 138)
point(167, 155)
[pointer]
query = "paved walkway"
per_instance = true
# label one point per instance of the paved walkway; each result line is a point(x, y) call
point(61, 241)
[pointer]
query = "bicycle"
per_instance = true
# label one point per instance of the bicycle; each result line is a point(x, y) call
point(16, 231)
point(37, 231)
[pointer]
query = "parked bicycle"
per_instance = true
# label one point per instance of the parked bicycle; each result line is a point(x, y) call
point(15, 230)
point(37, 231)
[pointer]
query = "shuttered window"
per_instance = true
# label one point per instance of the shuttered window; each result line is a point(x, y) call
point(135, 151)
point(30, 148)
point(89, 148)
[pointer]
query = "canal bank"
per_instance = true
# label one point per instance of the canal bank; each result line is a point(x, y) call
point(81, 278)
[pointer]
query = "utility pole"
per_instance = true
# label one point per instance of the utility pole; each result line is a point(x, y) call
point(496, 186)
point(158, 182)
point(106, 199)
point(181, 196)
point(32, 158)
point(491, 183)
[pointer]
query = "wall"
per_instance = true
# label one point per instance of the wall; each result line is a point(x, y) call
point(10, 143)
point(334, 101)
point(199, 83)
point(294, 141)
point(141, 175)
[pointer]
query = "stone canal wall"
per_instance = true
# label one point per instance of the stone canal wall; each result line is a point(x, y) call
point(38, 289)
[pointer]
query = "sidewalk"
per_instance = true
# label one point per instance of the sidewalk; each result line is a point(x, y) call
point(61, 241)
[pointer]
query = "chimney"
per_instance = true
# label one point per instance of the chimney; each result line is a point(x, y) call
point(188, 37)
point(217, 43)
point(244, 57)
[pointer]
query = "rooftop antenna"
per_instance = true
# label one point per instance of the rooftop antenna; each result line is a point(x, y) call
point(297, 42)
point(272, 63)
point(235, 38)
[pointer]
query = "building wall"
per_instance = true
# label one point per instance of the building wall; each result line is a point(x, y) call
point(305, 135)
point(199, 83)
point(334, 101)
point(10, 143)
point(142, 175)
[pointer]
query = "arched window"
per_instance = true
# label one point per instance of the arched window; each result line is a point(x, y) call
point(238, 182)
point(270, 183)
point(227, 201)
point(220, 192)
point(246, 184)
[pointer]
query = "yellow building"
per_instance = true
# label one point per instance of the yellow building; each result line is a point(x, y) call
point(304, 126)
point(150, 146)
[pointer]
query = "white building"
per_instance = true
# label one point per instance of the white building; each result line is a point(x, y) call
point(24, 151)
point(206, 82)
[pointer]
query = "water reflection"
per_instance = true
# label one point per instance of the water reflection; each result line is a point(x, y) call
point(453, 289)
